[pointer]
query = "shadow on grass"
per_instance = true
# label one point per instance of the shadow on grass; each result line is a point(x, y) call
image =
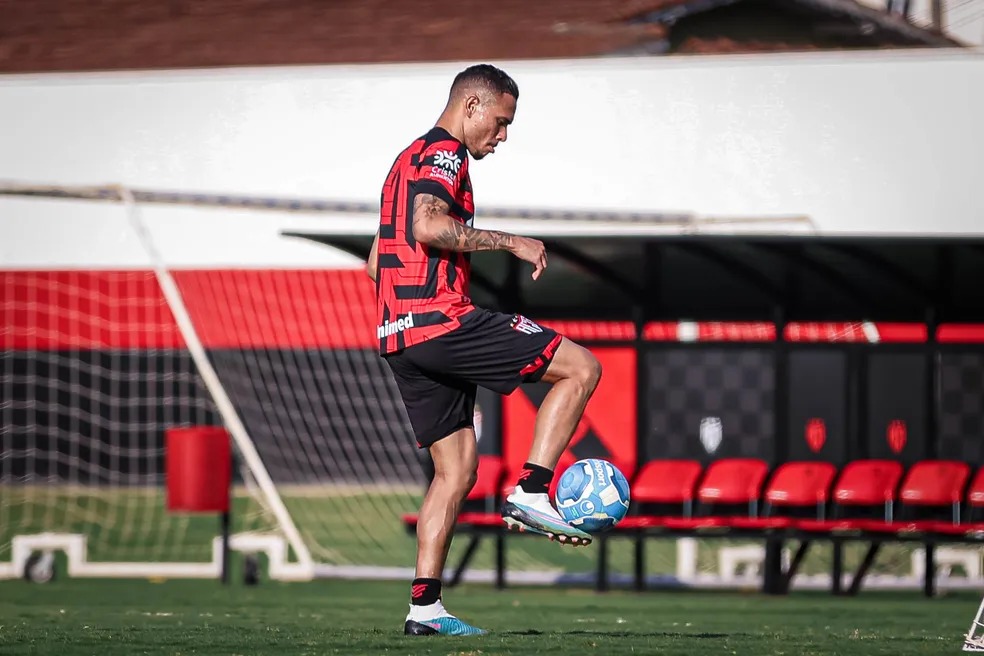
point(624, 634)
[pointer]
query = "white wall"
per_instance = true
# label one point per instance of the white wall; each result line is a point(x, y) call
point(873, 142)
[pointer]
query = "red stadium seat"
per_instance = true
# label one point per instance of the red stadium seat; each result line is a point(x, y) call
point(861, 483)
point(975, 495)
point(732, 481)
point(794, 484)
point(936, 483)
point(798, 484)
point(868, 483)
point(667, 481)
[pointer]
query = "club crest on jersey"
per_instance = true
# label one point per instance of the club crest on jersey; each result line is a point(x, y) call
point(392, 327)
point(524, 325)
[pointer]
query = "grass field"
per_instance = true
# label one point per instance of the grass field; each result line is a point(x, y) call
point(76, 617)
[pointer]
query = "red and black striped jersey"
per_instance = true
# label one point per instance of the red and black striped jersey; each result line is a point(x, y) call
point(421, 292)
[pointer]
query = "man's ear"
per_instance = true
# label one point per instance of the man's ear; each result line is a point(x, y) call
point(472, 102)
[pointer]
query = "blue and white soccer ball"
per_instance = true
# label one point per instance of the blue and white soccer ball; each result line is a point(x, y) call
point(592, 495)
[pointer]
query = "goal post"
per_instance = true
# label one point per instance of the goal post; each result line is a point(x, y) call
point(210, 379)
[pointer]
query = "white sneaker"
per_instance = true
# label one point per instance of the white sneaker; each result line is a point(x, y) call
point(534, 512)
point(434, 619)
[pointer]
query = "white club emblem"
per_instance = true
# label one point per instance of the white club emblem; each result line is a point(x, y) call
point(711, 433)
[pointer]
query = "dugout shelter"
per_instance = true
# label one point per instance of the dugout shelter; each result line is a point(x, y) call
point(728, 356)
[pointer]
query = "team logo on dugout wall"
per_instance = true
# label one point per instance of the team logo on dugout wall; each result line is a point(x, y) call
point(711, 433)
point(816, 434)
point(897, 435)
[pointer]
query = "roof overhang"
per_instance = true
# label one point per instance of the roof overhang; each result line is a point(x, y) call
point(633, 273)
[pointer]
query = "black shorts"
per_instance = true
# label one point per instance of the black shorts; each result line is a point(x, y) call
point(438, 378)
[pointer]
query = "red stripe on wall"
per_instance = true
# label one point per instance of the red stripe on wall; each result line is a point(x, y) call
point(124, 309)
point(47, 310)
point(909, 333)
point(960, 333)
point(281, 308)
point(593, 330)
point(710, 331)
point(855, 331)
point(660, 331)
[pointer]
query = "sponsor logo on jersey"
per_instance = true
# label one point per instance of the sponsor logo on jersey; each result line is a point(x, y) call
point(446, 165)
point(448, 160)
point(392, 327)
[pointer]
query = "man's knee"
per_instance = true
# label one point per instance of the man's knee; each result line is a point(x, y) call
point(586, 370)
point(455, 461)
point(592, 372)
point(459, 481)
point(575, 363)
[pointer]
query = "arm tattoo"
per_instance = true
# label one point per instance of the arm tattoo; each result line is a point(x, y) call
point(452, 234)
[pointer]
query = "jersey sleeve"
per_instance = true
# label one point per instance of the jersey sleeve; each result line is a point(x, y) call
point(443, 165)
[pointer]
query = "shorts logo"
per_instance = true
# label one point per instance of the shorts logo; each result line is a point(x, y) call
point(524, 325)
point(392, 327)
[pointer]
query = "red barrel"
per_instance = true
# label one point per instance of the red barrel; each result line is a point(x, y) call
point(198, 468)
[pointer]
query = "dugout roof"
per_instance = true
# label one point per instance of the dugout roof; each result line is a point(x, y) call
point(644, 277)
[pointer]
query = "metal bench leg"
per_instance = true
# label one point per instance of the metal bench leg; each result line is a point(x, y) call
point(465, 560)
point(837, 567)
point(640, 563)
point(601, 582)
point(869, 559)
point(929, 583)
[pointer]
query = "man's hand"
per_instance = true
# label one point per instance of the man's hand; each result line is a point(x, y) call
point(532, 251)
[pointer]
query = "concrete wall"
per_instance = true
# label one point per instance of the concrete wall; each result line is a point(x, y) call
point(875, 142)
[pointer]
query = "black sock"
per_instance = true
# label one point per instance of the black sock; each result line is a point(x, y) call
point(425, 592)
point(535, 479)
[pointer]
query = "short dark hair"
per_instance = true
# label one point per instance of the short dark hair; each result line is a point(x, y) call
point(495, 79)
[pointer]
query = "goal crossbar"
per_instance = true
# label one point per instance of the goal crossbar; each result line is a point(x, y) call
point(114, 193)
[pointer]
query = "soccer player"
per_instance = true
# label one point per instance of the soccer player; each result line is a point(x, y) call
point(440, 346)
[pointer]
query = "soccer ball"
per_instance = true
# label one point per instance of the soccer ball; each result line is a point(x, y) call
point(592, 495)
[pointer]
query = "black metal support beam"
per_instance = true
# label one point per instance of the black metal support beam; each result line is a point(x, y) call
point(735, 266)
point(794, 564)
point(631, 289)
point(601, 582)
point(772, 578)
point(929, 580)
point(466, 558)
point(869, 559)
point(887, 269)
point(797, 258)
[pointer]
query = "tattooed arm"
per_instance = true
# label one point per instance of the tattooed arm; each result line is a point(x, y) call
point(433, 226)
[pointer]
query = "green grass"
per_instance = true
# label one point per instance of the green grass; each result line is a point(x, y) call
point(76, 617)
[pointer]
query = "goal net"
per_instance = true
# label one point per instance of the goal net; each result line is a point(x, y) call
point(96, 366)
